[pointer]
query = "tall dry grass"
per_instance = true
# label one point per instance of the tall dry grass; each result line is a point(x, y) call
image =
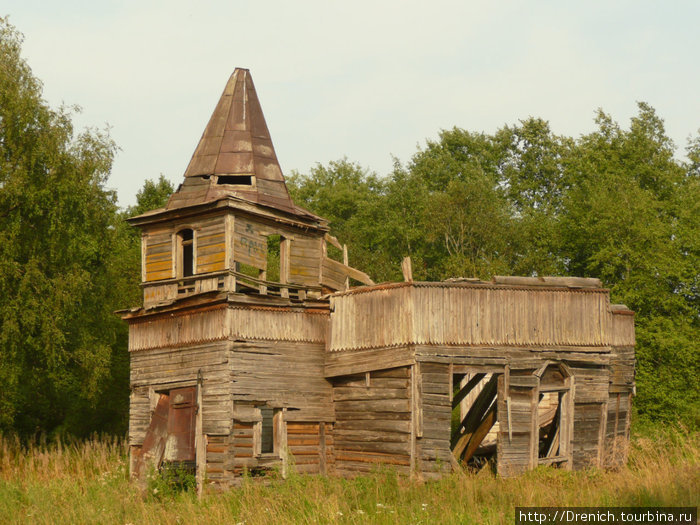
point(87, 482)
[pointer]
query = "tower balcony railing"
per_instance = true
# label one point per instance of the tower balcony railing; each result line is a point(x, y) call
point(168, 290)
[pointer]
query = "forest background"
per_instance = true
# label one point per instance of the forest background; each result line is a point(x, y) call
point(619, 204)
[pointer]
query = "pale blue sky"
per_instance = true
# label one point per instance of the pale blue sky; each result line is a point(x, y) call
point(362, 79)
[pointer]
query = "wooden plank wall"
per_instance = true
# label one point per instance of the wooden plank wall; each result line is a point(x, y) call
point(250, 242)
point(587, 443)
point(283, 375)
point(617, 430)
point(623, 328)
point(178, 328)
point(280, 324)
point(333, 274)
point(373, 422)
point(517, 442)
point(156, 293)
point(210, 240)
point(165, 368)
point(159, 256)
point(433, 440)
point(305, 260)
point(219, 460)
point(470, 314)
point(622, 363)
point(375, 319)
point(591, 384)
point(243, 452)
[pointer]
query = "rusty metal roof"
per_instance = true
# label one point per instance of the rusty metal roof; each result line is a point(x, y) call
point(235, 156)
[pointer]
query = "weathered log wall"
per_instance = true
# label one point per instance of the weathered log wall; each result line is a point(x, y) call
point(434, 457)
point(373, 421)
point(283, 375)
point(163, 369)
point(311, 447)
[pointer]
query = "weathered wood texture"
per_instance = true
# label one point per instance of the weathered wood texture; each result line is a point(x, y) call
point(334, 274)
point(373, 422)
point(587, 438)
point(220, 322)
point(160, 245)
point(617, 428)
point(282, 375)
point(219, 464)
point(179, 328)
point(305, 260)
point(222, 240)
point(345, 363)
point(210, 244)
point(161, 370)
point(243, 446)
point(310, 447)
point(159, 293)
point(475, 314)
point(433, 443)
point(592, 383)
point(159, 256)
point(517, 419)
point(518, 357)
point(279, 324)
point(250, 242)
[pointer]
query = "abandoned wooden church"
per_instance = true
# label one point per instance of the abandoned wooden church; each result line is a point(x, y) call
point(252, 353)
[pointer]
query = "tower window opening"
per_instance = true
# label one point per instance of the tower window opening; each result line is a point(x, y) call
point(186, 252)
point(243, 180)
point(267, 438)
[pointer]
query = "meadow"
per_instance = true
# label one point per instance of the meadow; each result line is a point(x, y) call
point(87, 482)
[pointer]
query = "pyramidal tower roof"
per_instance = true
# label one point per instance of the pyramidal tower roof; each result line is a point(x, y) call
point(235, 156)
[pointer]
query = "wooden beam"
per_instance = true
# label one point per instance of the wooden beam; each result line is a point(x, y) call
point(464, 392)
point(407, 269)
point(329, 238)
point(477, 411)
point(479, 434)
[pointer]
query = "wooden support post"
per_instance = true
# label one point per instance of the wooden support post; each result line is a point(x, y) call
point(468, 448)
point(284, 266)
point(200, 439)
point(477, 411)
point(262, 288)
point(601, 432)
point(345, 262)
point(459, 396)
point(414, 401)
point(407, 269)
point(322, 448)
point(281, 430)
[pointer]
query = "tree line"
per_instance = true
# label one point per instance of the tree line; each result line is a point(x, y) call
point(617, 204)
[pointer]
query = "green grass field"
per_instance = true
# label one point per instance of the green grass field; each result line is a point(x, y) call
point(87, 482)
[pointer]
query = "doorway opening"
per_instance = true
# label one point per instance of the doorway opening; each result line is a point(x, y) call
point(474, 418)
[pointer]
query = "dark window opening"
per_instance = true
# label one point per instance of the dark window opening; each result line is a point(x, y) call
point(267, 437)
point(244, 180)
point(186, 238)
